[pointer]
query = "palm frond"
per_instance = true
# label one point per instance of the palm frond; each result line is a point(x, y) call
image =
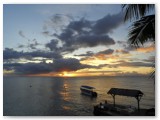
point(142, 30)
point(152, 74)
point(136, 11)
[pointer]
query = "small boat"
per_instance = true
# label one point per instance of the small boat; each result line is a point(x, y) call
point(88, 90)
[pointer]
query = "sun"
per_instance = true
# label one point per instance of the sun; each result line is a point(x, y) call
point(66, 74)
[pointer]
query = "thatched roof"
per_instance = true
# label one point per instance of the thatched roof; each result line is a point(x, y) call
point(125, 92)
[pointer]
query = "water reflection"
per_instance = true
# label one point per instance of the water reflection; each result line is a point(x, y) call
point(65, 92)
point(66, 107)
point(65, 95)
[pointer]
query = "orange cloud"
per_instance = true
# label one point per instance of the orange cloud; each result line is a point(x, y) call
point(146, 49)
point(100, 56)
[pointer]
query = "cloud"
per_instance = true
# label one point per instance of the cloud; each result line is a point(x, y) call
point(33, 68)
point(69, 45)
point(70, 64)
point(106, 52)
point(81, 26)
point(108, 23)
point(87, 54)
point(58, 65)
point(146, 49)
point(53, 45)
point(151, 59)
point(134, 73)
point(122, 51)
point(32, 44)
point(21, 34)
point(122, 42)
point(94, 40)
point(43, 54)
point(21, 46)
point(10, 53)
point(84, 33)
point(102, 55)
point(46, 33)
point(56, 22)
point(11, 66)
point(134, 64)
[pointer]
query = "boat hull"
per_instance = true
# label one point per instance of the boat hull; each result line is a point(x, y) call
point(88, 92)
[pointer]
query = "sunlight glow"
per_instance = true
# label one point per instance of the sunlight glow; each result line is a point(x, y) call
point(66, 74)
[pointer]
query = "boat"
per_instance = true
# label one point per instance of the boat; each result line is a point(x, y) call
point(108, 109)
point(88, 90)
point(113, 109)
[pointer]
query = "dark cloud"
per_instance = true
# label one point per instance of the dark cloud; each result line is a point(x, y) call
point(84, 33)
point(70, 44)
point(11, 66)
point(53, 45)
point(33, 68)
point(94, 40)
point(82, 26)
point(70, 64)
point(102, 54)
point(33, 44)
point(58, 65)
point(108, 23)
point(10, 53)
point(87, 54)
point(106, 52)
point(43, 54)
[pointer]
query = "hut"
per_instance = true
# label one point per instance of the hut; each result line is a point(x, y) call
point(126, 92)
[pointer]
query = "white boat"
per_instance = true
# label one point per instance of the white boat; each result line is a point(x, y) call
point(88, 90)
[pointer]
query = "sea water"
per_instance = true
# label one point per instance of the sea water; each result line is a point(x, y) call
point(53, 96)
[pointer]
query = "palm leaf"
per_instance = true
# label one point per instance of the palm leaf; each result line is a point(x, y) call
point(152, 74)
point(136, 11)
point(142, 31)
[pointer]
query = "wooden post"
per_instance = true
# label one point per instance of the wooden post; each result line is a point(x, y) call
point(113, 100)
point(138, 100)
point(138, 104)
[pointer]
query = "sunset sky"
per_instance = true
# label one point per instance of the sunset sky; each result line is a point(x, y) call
point(71, 41)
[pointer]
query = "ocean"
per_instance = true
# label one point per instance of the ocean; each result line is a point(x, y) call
point(53, 96)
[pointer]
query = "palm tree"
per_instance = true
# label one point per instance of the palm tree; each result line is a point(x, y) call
point(143, 28)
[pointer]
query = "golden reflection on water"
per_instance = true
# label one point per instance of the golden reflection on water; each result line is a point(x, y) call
point(66, 107)
point(65, 93)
